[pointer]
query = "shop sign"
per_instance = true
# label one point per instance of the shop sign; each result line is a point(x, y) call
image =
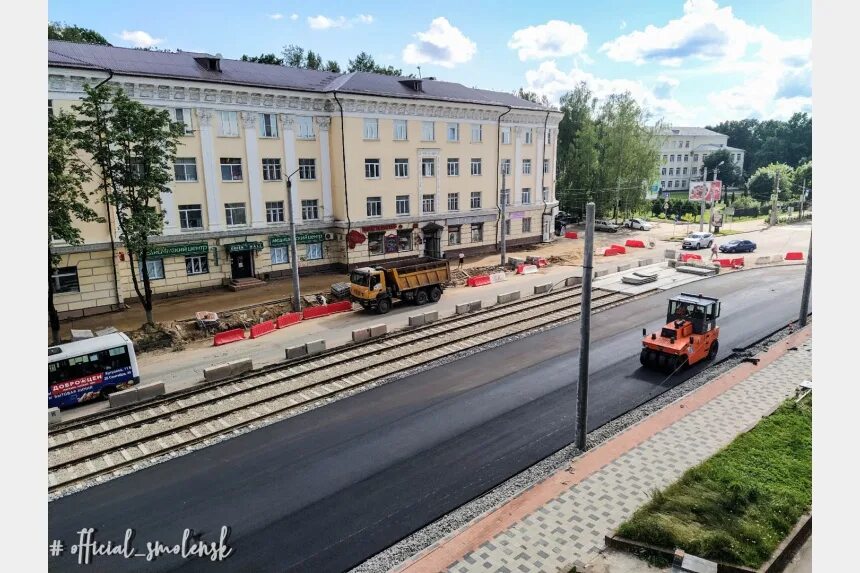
point(373, 228)
point(244, 246)
point(301, 238)
point(161, 251)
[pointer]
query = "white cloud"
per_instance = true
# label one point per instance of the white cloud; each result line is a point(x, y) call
point(294, 17)
point(140, 39)
point(553, 39)
point(275, 16)
point(325, 23)
point(442, 44)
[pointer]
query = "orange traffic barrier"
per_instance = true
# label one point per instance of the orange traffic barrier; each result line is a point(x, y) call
point(571, 235)
point(611, 252)
point(621, 250)
point(738, 262)
point(229, 336)
point(266, 327)
point(794, 256)
point(287, 319)
point(726, 263)
point(326, 309)
point(690, 257)
point(479, 280)
point(635, 243)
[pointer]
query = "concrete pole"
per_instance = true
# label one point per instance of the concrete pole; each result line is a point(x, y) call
point(294, 259)
point(504, 201)
point(585, 329)
point(702, 216)
point(807, 285)
point(773, 215)
point(802, 197)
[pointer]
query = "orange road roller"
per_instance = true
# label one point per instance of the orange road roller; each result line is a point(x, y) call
point(691, 334)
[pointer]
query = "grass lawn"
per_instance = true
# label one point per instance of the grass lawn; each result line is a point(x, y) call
point(737, 506)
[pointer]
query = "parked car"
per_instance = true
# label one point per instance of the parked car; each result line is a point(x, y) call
point(603, 225)
point(641, 224)
point(698, 241)
point(738, 246)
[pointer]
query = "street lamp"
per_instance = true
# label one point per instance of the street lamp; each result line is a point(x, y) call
point(294, 258)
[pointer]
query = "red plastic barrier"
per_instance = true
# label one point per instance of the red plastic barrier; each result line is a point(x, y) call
point(726, 263)
point(480, 280)
point(542, 262)
point(263, 328)
point(794, 256)
point(287, 319)
point(315, 311)
point(571, 235)
point(610, 252)
point(738, 262)
point(635, 243)
point(690, 257)
point(619, 248)
point(229, 336)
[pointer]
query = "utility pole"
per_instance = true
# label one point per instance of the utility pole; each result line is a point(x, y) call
point(294, 259)
point(702, 216)
point(773, 215)
point(504, 201)
point(807, 285)
point(802, 197)
point(713, 199)
point(585, 329)
point(617, 197)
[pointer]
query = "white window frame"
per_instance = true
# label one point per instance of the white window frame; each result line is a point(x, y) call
point(506, 166)
point(428, 200)
point(154, 267)
point(527, 166)
point(374, 207)
point(472, 197)
point(232, 166)
point(268, 125)
point(407, 233)
point(199, 265)
point(479, 227)
point(271, 168)
point(476, 166)
point(401, 167)
point(310, 209)
point(274, 212)
point(371, 129)
point(528, 136)
point(527, 224)
point(506, 136)
point(526, 196)
point(183, 115)
point(477, 133)
point(376, 243)
point(229, 124)
point(546, 166)
point(453, 167)
point(401, 130)
point(314, 251)
point(306, 127)
point(55, 276)
point(230, 210)
point(184, 218)
point(280, 255)
point(428, 126)
point(431, 162)
point(453, 201)
point(401, 205)
point(184, 163)
point(453, 132)
point(455, 235)
point(308, 169)
point(371, 168)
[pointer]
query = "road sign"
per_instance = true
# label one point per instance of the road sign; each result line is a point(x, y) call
point(730, 211)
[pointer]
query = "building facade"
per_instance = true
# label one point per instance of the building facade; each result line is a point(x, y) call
point(683, 153)
point(381, 168)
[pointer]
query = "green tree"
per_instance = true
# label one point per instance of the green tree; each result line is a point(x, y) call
point(67, 200)
point(133, 146)
point(729, 173)
point(761, 185)
point(313, 61)
point(364, 62)
point(532, 97)
point(61, 31)
point(264, 59)
point(294, 56)
point(802, 175)
point(332, 66)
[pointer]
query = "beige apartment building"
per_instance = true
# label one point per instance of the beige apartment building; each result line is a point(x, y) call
point(381, 167)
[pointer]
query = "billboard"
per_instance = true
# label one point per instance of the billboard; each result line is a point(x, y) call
point(716, 191)
point(705, 190)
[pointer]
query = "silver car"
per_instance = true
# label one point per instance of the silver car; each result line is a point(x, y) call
point(698, 241)
point(604, 225)
point(641, 224)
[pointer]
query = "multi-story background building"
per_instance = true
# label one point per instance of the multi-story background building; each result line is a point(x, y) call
point(381, 167)
point(683, 153)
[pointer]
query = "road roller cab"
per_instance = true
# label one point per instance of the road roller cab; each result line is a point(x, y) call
point(691, 334)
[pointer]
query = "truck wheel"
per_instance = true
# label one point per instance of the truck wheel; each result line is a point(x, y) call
point(383, 306)
point(712, 351)
point(421, 297)
point(435, 294)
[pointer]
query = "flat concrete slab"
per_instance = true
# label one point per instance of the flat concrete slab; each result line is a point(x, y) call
point(315, 346)
point(151, 390)
point(667, 278)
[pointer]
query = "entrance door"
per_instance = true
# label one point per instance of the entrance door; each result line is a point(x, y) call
point(240, 264)
point(433, 244)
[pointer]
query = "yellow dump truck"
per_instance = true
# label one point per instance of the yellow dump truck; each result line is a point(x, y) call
point(417, 281)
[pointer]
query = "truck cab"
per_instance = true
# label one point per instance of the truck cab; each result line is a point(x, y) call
point(366, 283)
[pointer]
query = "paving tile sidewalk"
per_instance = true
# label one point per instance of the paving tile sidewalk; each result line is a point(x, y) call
point(560, 523)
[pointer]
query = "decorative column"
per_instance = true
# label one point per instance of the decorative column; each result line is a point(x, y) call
point(211, 173)
point(324, 123)
point(252, 152)
point(291, 163)
point(518, 165)
point(171, 215)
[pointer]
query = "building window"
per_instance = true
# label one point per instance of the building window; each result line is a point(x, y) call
point(663, 171)
point(185, 169)
point(527, 225)
point(306, 127)
point(313, 251)
point(687, 144)
point(549, 137)
point(274, 211)
point(506, 196)
point(268, 125)
point(428, 204)
point(475, 201)
point(50, 108)
point(371, 128)
point(65, 279)
point(453, 201)
point(280, 255)
point(231, 169)
point(680, 145)
point(428, 132)
point(453, 132)
point(453, 166)
point(695, 157)
point(685, 171)
point(401, 168)
point(477, 232)
point(154, 268)
point(401, 204)
point(183, 116)
point(662, 184)
point(374, 206)
point(508, 228)
point(545, 194)
point(677, 183)
point(198, 265)
point(235, 213)
point(428, 167)
point(307, 169)
point(371, 168)
point(527, 166)
point(404, 240)
point(376, 243)
point(506, 166)
point(229, 124)
point(671, 171)
point(271, 170)
point(506, 135)
point(310, 210)
point(669, 184)
point(526, 196)
point(477, 133)
point(528, 136)
point(190, 217)
point(476, 166)
point(454, 235)
point(546, 165)
point(671, 159)
point(686, 158)
point(400, 130)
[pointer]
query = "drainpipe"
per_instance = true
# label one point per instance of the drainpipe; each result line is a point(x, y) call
point(345, 177)
point(542, 173)
point(498, 169)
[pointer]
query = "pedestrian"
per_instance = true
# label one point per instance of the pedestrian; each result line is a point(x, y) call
point(460, 258)
point(713, 251)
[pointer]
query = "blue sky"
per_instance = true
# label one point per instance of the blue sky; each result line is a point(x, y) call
point(691, 63)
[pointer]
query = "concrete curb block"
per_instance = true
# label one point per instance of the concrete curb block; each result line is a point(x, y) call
point(228, 369)
point(431, 316)
point(315, 347)
point(416, 320)
point(508, 297)
point(361, 334)
point(151, 390)
point(622, 268)
point(474, 305)
point(646, 262)
point(296, 352)
point(55, 416)
point(669, 254)
point(463, 308)
point(603, 273)
point(776, 258)
point(544, 288)
point(378, 330)
point(762, 260)
point(572, 281)
point(124, 398)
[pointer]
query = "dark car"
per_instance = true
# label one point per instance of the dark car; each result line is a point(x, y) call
point(738, 246)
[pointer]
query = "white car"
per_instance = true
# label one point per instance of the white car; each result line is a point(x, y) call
point(698, 241)
point(641, 224)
